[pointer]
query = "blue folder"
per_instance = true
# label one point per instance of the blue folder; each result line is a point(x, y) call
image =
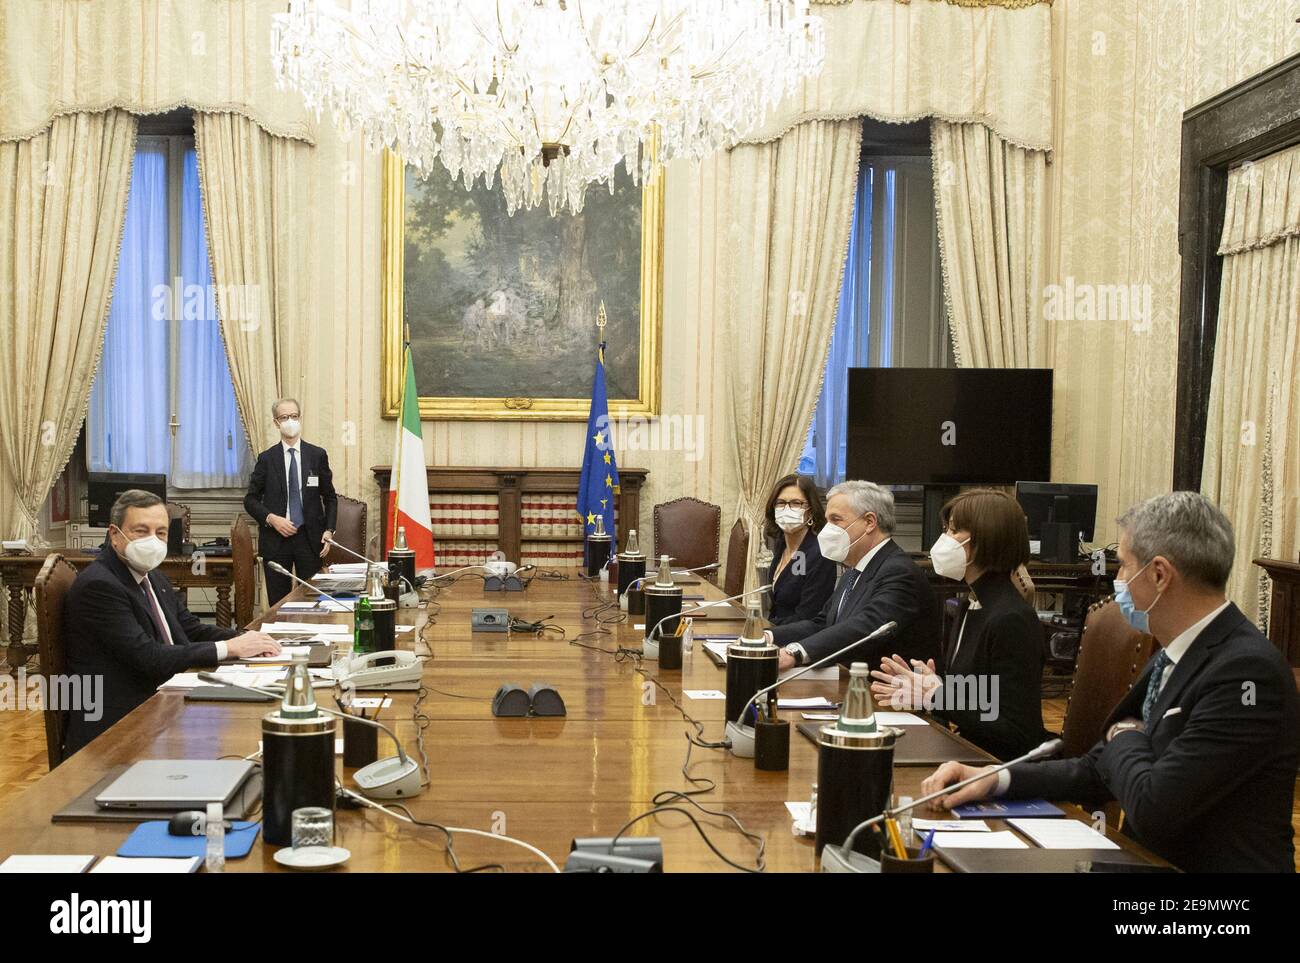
point(1007, 809)
point(151, 839)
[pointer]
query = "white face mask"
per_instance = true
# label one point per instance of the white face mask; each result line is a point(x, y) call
point(790, 519)
point(948, 556)
point(290, 427)
point(145, 554)
point(834, 542)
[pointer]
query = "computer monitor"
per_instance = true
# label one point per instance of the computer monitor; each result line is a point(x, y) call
point(1049, 501)
point(103, 488)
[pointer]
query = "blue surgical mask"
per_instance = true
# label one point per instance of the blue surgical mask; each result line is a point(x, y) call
point(1139, 619)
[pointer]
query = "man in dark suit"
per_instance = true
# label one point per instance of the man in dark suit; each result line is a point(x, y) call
point(291, 494)
point(1202, 752)
point(880, 584)
point(125, 623)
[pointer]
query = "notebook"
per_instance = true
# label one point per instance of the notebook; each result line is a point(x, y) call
point(919, 746)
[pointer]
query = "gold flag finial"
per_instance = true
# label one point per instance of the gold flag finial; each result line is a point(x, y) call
point(600, 318)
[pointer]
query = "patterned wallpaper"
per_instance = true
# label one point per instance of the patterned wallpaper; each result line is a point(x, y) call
point(1125, 72)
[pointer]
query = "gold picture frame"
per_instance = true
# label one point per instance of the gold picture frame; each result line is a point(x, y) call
point(433, 407)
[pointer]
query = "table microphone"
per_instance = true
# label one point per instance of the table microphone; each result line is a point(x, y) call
point(842, 859)
point(650, 634)
point(388, 778)
point(277, 567)
point(739, 738)
point(368, 561)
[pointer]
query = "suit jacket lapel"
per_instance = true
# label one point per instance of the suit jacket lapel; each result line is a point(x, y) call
point(134, 591)
point(1190, 664)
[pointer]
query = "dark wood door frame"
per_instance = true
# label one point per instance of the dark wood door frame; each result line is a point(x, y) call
point(1257, 117)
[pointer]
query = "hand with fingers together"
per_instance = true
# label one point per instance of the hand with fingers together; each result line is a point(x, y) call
point(901, 685)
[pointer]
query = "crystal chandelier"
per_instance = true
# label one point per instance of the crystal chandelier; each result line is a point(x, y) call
point(546, 95)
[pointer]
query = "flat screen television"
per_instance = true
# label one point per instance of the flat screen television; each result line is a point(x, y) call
point(949, 426)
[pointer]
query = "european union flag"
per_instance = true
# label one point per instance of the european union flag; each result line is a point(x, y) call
point(599, 482)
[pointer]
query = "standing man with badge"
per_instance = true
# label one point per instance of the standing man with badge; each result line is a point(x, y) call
point(291, 494)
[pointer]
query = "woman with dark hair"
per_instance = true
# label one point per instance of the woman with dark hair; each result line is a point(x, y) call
point(994, 657)
point(801, 579)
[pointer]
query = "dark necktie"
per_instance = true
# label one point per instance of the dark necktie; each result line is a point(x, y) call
point(849, 579)
point(1153, 687)
point(295, 489)
point(154, 612)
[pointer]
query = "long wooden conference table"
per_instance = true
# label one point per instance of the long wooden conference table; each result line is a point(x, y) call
point(543, 780)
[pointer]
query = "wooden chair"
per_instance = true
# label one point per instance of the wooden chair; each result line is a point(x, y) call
point(244, 561)
point(1112, 654)
point(733, 582)
point(687, 530)
point(52, 584)
point(349, 531)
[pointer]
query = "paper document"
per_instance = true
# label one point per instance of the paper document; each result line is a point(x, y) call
point(302, 628)
point(812, 702)
point(899, 719)
point(1062, 834)
point(704, 694)
point(46, 864)
point(124, 864)
point(1003, 839)
point(950, 826)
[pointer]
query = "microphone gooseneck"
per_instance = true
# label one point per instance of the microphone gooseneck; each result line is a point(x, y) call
point(277, 567)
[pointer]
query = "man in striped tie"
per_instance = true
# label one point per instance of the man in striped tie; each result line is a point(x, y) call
point(291, 494)
point(1202, 751)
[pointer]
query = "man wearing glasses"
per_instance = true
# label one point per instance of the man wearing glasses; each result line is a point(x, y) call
point(291, 494)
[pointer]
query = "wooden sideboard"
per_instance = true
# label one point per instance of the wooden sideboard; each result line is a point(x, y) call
point(510, 485)
point(1284, 610)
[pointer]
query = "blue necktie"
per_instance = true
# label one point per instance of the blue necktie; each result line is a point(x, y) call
point(850, 580)
point(295, 489)
point(1153, 687)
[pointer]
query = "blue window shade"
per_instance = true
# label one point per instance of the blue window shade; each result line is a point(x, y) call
point(212, 450)
point(162, 344)
point(126, 424)
point(891, 302)
point(824, 452)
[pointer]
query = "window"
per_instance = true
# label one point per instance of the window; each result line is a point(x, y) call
point(163, 400)
point(891, 311)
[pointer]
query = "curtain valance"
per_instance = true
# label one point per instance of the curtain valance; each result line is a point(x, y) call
point(959, 63)
point(1263, 204)
point(144, 56)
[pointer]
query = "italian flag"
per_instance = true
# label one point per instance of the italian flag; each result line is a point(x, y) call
point(408, 487)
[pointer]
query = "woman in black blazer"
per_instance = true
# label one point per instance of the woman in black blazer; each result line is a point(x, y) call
point(994, 657)
point(801, 579)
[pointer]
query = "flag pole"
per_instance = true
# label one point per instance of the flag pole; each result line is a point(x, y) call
point(401, 409)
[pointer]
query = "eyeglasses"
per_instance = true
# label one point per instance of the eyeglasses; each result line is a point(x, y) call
point(793, 504)
point(289, 417)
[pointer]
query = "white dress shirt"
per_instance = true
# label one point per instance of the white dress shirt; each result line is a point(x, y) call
point(1175, 650)
point(142, 580)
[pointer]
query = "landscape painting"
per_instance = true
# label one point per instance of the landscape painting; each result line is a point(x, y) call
point(501, 308)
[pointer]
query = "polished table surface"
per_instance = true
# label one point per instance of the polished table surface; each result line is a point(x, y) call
point(543, 780)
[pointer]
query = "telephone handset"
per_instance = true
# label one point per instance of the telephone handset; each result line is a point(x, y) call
point(404, 672)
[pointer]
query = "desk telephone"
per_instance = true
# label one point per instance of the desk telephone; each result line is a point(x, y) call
point(403, 673)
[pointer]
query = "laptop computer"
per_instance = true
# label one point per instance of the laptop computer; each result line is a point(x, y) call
point(176, 784)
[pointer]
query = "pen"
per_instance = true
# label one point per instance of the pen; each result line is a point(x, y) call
point(925, 847)
point(891, 826)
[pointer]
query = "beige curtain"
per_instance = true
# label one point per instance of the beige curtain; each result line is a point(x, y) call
point(255, 201)
point(145, 56)
point(790, 203)
point(960, 62)
point(989, 200)
point(62, 207)
point(1252, 437)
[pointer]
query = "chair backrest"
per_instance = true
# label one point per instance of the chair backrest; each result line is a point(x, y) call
point(688, 530)
point(244, 561)
point(737, 555)
point(52, 584)
point(1112, 655)
point(349, 531)
point(178, 511)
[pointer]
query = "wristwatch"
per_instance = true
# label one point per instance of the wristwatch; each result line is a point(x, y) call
point(795, 652)
point(1119, 727)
